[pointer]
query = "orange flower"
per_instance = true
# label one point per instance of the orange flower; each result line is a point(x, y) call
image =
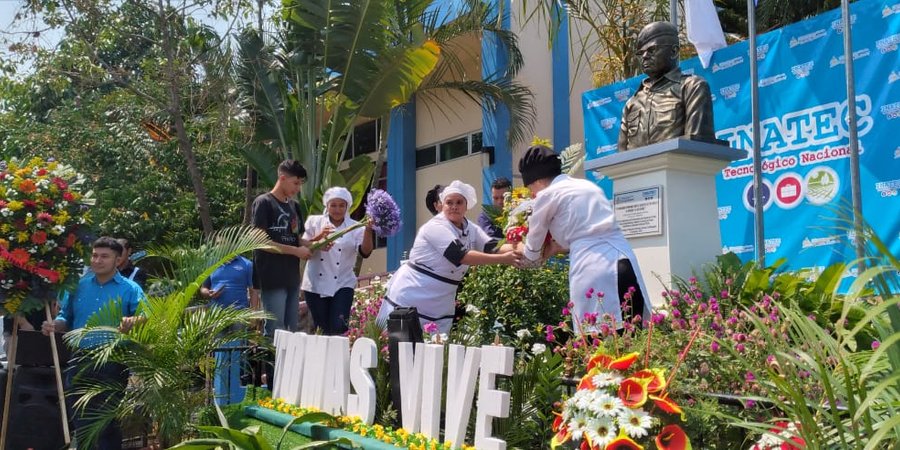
point(27, 186)
point(608, 362)
point(672, 437)
point(633, 392)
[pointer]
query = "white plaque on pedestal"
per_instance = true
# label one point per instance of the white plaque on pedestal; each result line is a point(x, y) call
point(639, 212)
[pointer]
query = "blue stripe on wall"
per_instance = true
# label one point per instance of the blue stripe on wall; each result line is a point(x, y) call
point(401, 180)
point(560, 67)
point(495, 121)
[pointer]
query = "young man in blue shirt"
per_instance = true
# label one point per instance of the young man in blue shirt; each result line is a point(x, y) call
point(97, 289)
point(231, 285)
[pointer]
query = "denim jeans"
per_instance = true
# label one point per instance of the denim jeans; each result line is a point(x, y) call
point(284, 305)
point(330, 313)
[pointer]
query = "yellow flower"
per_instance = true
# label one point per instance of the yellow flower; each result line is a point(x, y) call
point(61, 217)
point(15, 205)
point(22, 237)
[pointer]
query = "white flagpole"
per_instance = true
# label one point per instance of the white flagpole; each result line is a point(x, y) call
point(855, 190)
point(673, 12)
point(759, 223)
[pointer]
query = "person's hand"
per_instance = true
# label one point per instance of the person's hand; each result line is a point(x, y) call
point(129, 322)
point(324, 233)
point(48, 327)
point(512, 258)
point(302, 253)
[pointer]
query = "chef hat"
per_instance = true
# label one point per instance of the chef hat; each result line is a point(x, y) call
point(539, 162)
point(338, 192)
point(466, 190)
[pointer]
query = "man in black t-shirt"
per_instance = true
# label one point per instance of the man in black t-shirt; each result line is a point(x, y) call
point(277, 272)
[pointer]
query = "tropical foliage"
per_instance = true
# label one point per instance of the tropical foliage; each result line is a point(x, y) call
point(169, 351)
point(332, 65)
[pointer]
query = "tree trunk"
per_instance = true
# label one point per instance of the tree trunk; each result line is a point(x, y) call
point(175, 112)
point(248, 195)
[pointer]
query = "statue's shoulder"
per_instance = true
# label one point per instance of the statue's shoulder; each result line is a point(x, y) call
point(693, 79)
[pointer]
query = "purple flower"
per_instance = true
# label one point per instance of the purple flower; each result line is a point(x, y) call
point(875, 345)
point(750, 404)
point(740, 348)
point(714, 347)
point(430, 328)
point(385, 213)
point(749, 377)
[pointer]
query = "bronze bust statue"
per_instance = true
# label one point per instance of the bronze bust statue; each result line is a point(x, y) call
point(668, 104)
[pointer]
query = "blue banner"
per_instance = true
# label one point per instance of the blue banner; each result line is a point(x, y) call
point(804, 133)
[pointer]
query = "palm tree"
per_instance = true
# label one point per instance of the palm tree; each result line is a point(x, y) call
point(334, 64)
point(169, 352)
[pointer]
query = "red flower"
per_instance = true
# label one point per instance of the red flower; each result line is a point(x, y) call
point(67, 196)
point(41, 172)
point(657, 380)
point(607, 362)
point(667, 405)
point(62, 250)
point(29, 203)
point(44, 217)
point(27, 186)
point(2, 204)
point(70, 239)
point(47, 201)
point(39, 237)
point(19, 256)
point(51, 275)
point(633, 392)
point(60, 183)
point(672, 437)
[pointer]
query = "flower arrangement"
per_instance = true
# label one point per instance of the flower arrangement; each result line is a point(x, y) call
point(613, 407)
point(381, 211)
point(516, 210)
point(43, 207)
point(784, 436)
point(398, 437)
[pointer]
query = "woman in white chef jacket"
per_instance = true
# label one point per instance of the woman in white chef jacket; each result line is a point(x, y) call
point(329, 280)
point(581, 221)
point(444, 248)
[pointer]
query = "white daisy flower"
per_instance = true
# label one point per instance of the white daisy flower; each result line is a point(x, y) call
point(523, 333)
point(635, 422)
point(607, 405)
point(577, 425)
point(601, 430)
point(604, 379)
point(538, 348)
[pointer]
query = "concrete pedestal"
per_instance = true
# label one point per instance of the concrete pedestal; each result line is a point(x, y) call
point(685, 173)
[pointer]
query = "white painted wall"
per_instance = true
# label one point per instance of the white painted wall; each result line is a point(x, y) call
point(466, 169)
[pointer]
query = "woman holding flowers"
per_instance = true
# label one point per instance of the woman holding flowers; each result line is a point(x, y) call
point(444, 248)
point(329, 280)
point(603, 271)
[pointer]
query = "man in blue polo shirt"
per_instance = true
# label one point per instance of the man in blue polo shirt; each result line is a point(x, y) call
point(230, 286)
point(95, 291)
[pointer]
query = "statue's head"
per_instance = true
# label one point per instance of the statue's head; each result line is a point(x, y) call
point(657, 45)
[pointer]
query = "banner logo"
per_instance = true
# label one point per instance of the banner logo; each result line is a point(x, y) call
point(820, 241)
point(622, 94)
point(599, 102)
point(802, 70)
point(724, 212)
point(888, 188)
point(888, 10)
point(730, 91)
point(807, 38)
point(840, 59)
point(772, 80)
point(788, 190)
point(894, 76)
point(891, 111)
point(888, 44)
point(607, 124)
point(765, 195)
point(737, 249)
point(761, 51)
point(727, 64)
point(822, 185)
point(772, 245)
point(838, 25)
